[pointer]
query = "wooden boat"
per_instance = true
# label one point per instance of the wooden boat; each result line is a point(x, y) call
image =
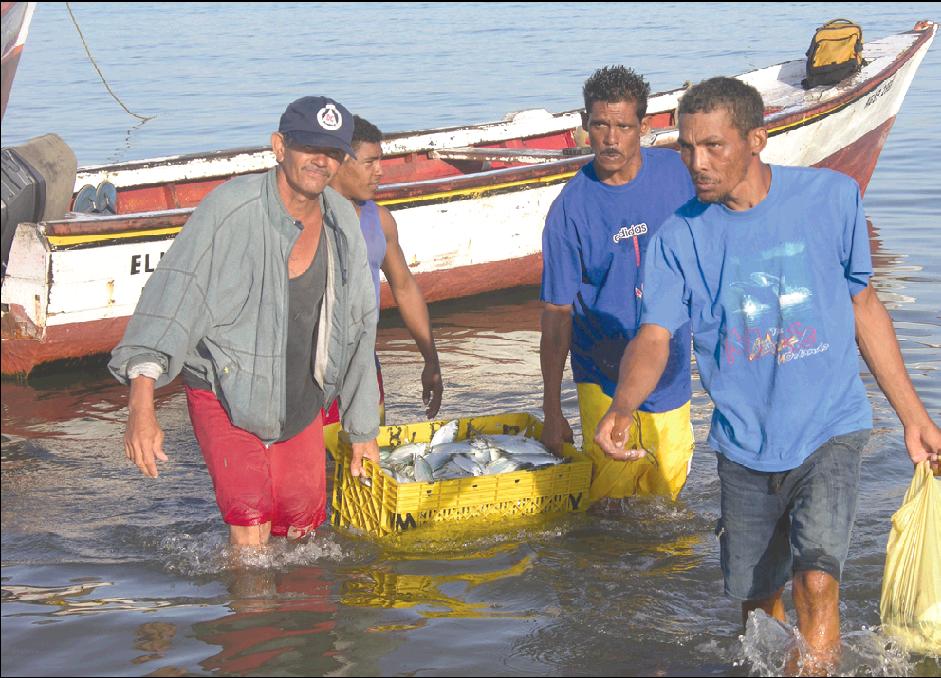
point(470, 201)
point(16, 18)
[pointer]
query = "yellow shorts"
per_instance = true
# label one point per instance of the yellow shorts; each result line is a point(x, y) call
point(667, 437)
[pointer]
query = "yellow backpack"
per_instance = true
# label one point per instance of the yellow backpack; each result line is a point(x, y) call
point(836, 52)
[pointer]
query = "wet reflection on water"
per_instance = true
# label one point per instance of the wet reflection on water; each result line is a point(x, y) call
point(278, 620)
point(384, 587)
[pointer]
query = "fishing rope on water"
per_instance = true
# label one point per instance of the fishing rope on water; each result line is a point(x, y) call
point(100, 74)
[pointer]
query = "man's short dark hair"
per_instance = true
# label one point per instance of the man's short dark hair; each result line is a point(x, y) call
point(742, 101)
point(612, 84)
point(364, 132)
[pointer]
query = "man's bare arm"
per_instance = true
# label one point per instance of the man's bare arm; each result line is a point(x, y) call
point(640, 370)
point(414, 312)
point(553, 350)
point(143, 439)
point(879, 347)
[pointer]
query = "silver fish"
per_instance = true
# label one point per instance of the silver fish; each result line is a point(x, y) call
point(445, 458)
point(468, 465)
point(450, 471)
point(423, 471)
point(438, 458)
point(536, 460)
point(456, 447)
point(519, 445)
point(480, 443)
point(406, 475)
point(503, 465)
point(485, 455)
point(407, 452)
point(445, 434)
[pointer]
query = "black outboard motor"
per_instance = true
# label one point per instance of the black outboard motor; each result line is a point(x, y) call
point(38, 178)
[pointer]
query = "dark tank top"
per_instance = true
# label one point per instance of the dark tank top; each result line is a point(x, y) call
point(304, 396)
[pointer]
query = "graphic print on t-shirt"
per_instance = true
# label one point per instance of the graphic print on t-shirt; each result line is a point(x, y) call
point(774, 306)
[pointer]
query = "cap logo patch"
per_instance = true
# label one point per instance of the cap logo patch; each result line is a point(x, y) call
point(329, 118)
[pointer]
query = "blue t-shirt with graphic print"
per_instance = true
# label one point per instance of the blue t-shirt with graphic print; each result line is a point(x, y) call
point(769, 293)
point(594, 241)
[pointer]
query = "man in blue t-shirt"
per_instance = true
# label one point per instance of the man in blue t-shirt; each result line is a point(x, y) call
point(596, 235)
point(771, 265)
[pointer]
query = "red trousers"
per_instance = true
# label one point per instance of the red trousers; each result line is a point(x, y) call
point(284, 484)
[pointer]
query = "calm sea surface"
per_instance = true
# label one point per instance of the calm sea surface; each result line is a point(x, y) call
point(105, 572)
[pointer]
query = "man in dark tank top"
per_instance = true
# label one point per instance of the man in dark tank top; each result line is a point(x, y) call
point(265, 306)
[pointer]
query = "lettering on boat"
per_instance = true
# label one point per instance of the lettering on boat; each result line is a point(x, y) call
point(882, 90)
point(144, 263)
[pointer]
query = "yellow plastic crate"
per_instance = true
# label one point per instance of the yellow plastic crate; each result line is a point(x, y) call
point(387, 506)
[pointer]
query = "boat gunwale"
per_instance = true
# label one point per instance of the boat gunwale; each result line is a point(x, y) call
point(429, 189)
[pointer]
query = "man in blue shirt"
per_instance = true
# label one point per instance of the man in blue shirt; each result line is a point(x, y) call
point(771, 265)
point(596, 235)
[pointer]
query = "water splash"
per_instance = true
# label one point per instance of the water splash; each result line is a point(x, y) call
point(768, 645)
point(869, 652)
point(193, 556)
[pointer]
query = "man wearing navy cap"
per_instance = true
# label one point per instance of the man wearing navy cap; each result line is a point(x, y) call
point(265, 305)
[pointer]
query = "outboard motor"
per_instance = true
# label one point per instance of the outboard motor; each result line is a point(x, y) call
point(38, 178)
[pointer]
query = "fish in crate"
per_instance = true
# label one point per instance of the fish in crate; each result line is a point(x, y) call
point(466, 469)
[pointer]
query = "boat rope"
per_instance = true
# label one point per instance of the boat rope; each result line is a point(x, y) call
point(100, 74)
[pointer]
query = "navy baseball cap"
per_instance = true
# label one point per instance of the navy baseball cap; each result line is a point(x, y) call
point(320, 122)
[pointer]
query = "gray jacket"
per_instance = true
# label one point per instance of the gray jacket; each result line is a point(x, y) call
point(217, 306)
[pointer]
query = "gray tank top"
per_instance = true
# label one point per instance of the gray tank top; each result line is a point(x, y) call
point(304, 396)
